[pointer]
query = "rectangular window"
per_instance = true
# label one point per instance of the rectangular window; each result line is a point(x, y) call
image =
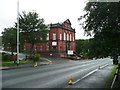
point(54, 36)
point(64, 36)
point(35, 47)
point(73, 38)
point(70, 47)
point(67, 36)
point(64, 47)
point(60, 36)
point(41, 38)
point(41, 47)
point(28, 47)
point(70, 37)
point(24, 47)
point(48, 36)
point(47, 47)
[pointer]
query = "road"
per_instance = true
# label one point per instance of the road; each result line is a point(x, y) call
point(50, 76)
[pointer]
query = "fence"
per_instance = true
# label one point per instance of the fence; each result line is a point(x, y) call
point(115, 77)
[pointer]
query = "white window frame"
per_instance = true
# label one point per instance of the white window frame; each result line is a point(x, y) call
point(41, 38)
point(35, 47)
point(41, 47)
point(47, 47)
point(70, 37)
point(73, 38)
point(24, 47)
point(64, 36)
point(47, 37)
point(54, 36)
point(67, 37)
point(60, 36)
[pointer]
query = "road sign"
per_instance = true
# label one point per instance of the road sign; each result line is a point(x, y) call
point(70, 52)
point(54, 43)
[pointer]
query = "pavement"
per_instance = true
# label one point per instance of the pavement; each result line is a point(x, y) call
point(22, 65)
point(16, 66)
point(57, 60)
point(95, 80)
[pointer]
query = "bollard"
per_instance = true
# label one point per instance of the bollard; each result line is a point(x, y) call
point(98, 67)
point(50, 62)
point(70, 82)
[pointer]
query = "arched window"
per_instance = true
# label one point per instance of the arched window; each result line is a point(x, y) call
point(67, 36)
point(60, 36)
point(73, 38)
point(48, 36)
point(70, 37)
point(64, 36)
point(54, 36)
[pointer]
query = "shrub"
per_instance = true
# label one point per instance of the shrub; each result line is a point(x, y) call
point(36, 57)
point(31, 57)
point(6, 56)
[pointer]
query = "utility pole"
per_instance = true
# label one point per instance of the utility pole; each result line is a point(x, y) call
point(18, 32)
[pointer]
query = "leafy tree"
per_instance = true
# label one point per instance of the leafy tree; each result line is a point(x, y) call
point(9, 38)
point(32, 28)
point(82, 47)
point(102, 20)
point(0, 41)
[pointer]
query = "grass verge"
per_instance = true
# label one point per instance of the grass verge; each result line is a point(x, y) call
point(110, 78)
point(0, 55)
point(12, 63)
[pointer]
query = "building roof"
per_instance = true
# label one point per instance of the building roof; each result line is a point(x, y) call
point(62, 25)
point(67, 21)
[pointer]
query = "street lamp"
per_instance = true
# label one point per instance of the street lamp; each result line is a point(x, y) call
point(18, 31)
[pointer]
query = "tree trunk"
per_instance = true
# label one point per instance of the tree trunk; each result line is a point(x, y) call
point(32, 49)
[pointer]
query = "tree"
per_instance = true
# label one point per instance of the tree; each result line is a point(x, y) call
point(102, 19)
point(82, 47)
point(9, 38)
point(32, 28)
point(1, 46)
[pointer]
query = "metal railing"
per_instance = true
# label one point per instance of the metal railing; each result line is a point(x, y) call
point(115, 77)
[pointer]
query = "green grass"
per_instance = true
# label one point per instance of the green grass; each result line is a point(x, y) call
point(8, 63)
point(0, 55)
point(119, 80)
point(110, 78)
point(0, 58)
point(12, 63)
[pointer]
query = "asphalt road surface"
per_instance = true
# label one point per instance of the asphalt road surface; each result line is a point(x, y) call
point(50, 76)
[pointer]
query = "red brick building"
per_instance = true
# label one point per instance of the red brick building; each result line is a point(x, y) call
point(61, 38)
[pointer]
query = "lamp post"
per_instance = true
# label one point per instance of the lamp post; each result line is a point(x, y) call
point(18, 31)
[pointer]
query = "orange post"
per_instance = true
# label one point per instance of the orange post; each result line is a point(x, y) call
point(70, 82)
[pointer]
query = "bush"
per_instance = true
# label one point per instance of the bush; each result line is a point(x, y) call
point(12, 63)
point(31, 57)
point(6, 57)
point(36, 57)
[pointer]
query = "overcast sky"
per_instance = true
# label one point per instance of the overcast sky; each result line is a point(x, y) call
point(53, 11)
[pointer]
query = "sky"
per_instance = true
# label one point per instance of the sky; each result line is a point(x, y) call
point(53, 11)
